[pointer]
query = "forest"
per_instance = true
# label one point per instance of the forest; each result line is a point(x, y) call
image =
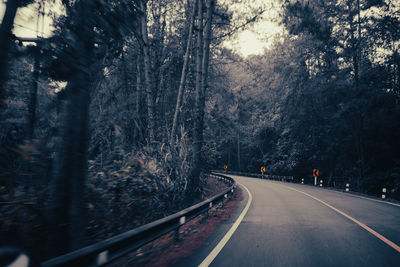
point(129, 104)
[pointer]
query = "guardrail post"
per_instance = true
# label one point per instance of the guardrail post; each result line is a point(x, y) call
point(347, 187)
point(223, 200)
point(102, 257)
point(207, 213)
point(182, 221)
point(383, 193)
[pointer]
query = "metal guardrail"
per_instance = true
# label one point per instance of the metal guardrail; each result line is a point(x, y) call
point(110, 249)
point(258, 175)
point(332, 183)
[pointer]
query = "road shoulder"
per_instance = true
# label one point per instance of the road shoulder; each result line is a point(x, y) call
point(199, 254)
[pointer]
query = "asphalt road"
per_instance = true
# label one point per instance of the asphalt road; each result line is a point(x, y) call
point(299, 225)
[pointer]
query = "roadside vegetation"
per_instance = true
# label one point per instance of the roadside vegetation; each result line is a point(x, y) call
point(117, 117)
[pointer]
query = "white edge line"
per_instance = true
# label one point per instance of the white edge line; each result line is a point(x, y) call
point(352, 195)
point(347, 193)
point(376, 200)
point(207, 261)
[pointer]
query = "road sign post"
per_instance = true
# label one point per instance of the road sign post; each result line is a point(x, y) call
point(315, 174)
point(262, 172)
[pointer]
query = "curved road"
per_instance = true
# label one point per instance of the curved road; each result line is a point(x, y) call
point(299, 225)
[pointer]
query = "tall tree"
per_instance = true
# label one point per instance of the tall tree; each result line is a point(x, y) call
point(65, 205)
point(147, 72)
point(183, 75)
point(88, 23)
point(195, 175)
point(33, 94)
point(202, 62)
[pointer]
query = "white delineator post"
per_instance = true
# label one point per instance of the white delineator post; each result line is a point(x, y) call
point(347, 187)
point(384, 193)
point(320, 183)
point(302, 180)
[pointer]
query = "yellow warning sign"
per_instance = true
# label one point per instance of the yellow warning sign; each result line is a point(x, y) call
point(262, 169)
point(225, 167)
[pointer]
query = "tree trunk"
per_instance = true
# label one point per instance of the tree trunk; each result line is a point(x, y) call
point(125, 72)
point(354, 46)
point(183, 76)
point(138, 85)
point(5, 36)
point(206, 53)
point(33, 95)
point(197, 138)
point(359, 37)
point(65, 207)
point(69, 170)
point(138, 133)
point(147, 73)
point(396, 57)
point(159, 54)
point(238, 150)
point(202, 62)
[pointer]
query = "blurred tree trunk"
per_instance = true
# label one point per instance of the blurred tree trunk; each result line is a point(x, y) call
point(147, 72)
point(396, 59)
point(33, 94)
point(138, 85)
point(238, 150)
point(5, 37)
point(138, 115)
point(65, 207)
point(125, 72)
point(183, 76)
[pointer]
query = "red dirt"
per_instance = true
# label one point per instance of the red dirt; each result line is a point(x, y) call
point(166, 250)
